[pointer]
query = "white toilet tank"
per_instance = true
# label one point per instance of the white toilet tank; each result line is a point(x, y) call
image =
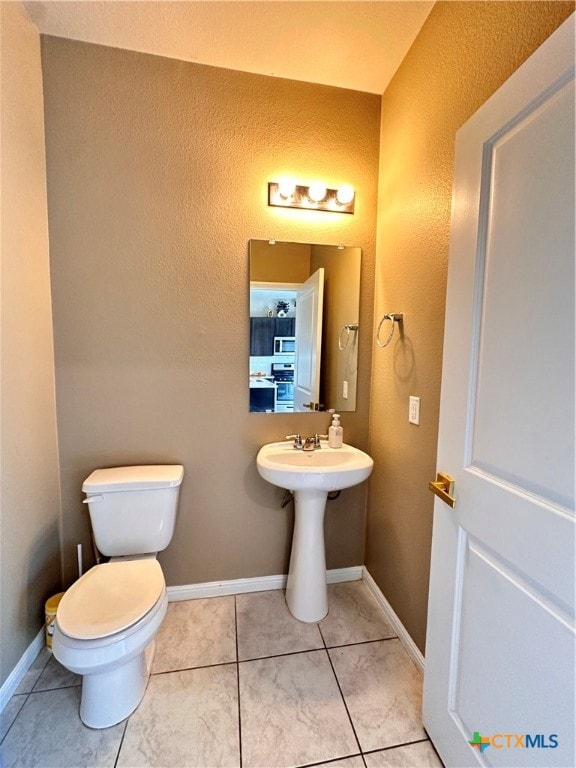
point(133, 509)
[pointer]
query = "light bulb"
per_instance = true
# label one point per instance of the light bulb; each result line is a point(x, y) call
point(317, 191)
point(286, 188)
point(345, 194)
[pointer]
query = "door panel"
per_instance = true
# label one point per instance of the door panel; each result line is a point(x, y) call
point(494, 602)
point(309, 307)
point(527, 283)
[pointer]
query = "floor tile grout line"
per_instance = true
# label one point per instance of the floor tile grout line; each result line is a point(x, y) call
point(39, 675)
point(342, 695)
point(396, 746)
point(322, 648)
point(282, 655)
point(332, 760)
point(46, 690)
point(322, 635)
point(56, 688)
point(191, 669)
point(361, 642)
point(121, 742)
point(238, 682)
point(17, 714)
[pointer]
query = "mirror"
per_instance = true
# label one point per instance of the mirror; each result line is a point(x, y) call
point(304, 310)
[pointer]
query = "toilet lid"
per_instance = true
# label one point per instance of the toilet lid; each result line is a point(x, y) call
point(109, 598)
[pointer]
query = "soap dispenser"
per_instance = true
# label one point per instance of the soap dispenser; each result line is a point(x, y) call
point(335, 433)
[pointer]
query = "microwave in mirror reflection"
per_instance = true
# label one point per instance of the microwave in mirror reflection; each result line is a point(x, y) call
point(284, 345)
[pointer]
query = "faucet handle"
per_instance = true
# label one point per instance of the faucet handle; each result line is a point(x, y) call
point(297, 440)
point(317, 439)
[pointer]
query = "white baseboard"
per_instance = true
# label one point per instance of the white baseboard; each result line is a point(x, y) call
point(256, 584)
point(337, 575)
point(16, 676)
point(408, 644)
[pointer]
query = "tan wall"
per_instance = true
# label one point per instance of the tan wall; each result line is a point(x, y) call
point(157, 180)
point(287, 263)
point(463, 53)
point(30, 497)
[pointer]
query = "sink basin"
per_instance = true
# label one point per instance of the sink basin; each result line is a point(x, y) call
point(325, 469)
point(311, 475)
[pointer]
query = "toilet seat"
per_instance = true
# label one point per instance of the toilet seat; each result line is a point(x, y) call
point(110, 598)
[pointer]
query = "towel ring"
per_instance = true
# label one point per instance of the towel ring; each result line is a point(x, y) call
point(393, 317)
point(347, 328)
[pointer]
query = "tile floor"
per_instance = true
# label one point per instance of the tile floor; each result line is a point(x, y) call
point(237, 681)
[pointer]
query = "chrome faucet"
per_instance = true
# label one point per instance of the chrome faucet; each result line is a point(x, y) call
point(312, 443)
point(297, 441)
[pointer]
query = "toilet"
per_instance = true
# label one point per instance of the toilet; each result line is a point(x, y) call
point(107, 621)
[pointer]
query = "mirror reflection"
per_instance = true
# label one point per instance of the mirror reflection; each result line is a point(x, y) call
point(304, 308)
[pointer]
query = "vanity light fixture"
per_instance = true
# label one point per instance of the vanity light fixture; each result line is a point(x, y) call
point(313, 197)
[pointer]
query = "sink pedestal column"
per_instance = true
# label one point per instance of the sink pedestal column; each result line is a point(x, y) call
point(306, 591)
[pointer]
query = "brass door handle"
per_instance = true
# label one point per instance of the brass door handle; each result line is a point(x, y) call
point(443, 487)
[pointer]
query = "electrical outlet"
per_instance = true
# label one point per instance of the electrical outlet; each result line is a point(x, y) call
point(414, 410)
point(345, 390)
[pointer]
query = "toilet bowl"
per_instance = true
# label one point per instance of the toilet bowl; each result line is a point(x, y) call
point(104, 630)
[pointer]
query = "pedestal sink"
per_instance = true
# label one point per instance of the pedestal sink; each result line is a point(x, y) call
point(311, 475)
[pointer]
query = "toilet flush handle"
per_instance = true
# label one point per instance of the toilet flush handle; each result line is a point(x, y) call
point(93, 499)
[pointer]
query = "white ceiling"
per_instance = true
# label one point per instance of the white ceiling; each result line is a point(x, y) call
point(356, 45)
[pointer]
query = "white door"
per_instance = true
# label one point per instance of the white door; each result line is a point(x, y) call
point(500, 655)
point(309, 305)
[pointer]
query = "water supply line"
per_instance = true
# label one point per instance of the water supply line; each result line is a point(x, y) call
point(289, 496)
